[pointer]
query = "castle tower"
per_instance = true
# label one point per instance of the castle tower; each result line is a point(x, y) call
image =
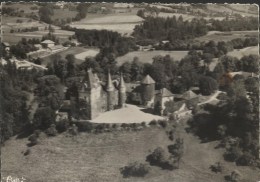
point(90, 92)
point(122, 92)
point(148, 89)
point(110, 91)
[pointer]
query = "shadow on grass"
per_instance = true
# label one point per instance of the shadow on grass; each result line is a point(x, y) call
point(147, 110)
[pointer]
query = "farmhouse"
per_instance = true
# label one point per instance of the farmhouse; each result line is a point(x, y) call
point(47, 43)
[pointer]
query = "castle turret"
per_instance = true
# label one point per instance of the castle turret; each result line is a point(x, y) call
point(110, 90)
point(148, 89)
point(122, 92)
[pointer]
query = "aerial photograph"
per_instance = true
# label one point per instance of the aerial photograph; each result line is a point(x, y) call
point(129, 92)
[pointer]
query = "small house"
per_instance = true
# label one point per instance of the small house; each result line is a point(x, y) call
point(47, 43)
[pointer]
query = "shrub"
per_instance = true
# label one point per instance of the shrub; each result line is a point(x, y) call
point(233, 177)
point(114, 126)
point(171, 135)
point(52, 130)
point(153, 123)
point(162, 123)
point(157, 157)
point(27, 152)
point(73, 130)
point(85, 126)
point(245, 160)
point(135, 169)
point(62, 125)
point(233, 154)
point(216, 167)
point(143, 124)
point(33, 140)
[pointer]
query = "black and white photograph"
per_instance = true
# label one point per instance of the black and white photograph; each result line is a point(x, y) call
point(129, 92)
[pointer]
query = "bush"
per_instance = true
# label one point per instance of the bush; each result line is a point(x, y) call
point(62, 125)
point(162, 123)
point(233, 154)
point(153, 123)
point(135, 169)
point(85, 126)
point(217, 167)
point(27, 152)
point(245, 160)
point(33, 140)
point(52, 130)
point(73, 130)
point(143, 124)
point(171, 135)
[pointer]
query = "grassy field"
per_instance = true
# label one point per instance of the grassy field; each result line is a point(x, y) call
point(63, 14)
point(225, 9)
point(26, 7)
point(239, 53)
point(147, 56)
point(98, 158)
point(72, 50)
point(226, 36)
point(123, 23)
point(87, 53)
point(14, 38)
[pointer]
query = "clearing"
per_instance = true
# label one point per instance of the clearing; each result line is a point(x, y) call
point(147, 56)
point(239, 53)
point(123, 116)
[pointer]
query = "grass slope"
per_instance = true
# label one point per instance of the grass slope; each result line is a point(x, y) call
point(147, 56)
point(98, 157)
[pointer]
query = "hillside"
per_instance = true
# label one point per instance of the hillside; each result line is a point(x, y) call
point(98, 157)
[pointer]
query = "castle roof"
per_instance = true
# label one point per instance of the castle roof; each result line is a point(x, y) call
point(122, 83)
point(148, 80)
point(189, 95)
point(110, 86)
point(166, 93)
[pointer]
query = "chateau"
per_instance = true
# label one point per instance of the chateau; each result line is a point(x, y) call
point(95, 97)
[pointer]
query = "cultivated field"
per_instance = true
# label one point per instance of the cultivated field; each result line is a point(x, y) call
point(226, 36)
point(123, 23)
point(72, 50)
point(116, 116)
point(239, 53)
point(87, 53)
point(98, 157)
point(147, 56)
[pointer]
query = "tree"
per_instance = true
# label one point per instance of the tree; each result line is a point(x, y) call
point(70, 65)
point(135, 169)
point(43, 118)
point(207, 85)
point(45, 13)
point(250, 63)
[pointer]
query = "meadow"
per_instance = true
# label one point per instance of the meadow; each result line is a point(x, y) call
point(78, 52)
point(123, 23)
point(93, 157)
point(239, 53)
point(226, 36)
point(147, 56)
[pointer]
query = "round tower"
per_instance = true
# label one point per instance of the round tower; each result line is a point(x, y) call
point(122, 92)
point(110, 90)
point(148, 89)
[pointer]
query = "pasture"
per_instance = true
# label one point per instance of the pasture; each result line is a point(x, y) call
point(226, 36)
point(123, 23)
point(147, 56)
point(239, 53)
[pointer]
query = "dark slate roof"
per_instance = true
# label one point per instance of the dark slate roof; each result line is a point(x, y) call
point(148, 80)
